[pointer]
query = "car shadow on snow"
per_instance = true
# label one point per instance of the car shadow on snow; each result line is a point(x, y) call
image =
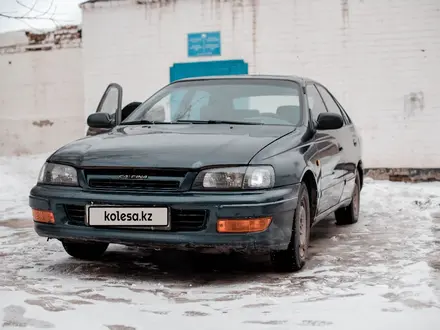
point(131, 263)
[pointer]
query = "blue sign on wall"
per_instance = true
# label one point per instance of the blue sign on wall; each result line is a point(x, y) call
point(204, 44)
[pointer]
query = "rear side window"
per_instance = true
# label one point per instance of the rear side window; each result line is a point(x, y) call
point(330, 103)
point(328, 100)
point(344, 112)
point(316, 104)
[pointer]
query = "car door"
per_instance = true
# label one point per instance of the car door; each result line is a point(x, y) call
point(348, 142)
point(111, 103)
point(328, 155)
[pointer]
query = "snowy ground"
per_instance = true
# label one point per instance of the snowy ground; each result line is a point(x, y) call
point(382, 273)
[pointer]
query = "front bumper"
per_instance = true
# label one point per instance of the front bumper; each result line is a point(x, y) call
point(278, 203)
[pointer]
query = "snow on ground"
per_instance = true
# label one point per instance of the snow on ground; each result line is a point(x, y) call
point(17, 176)
point(382, 273)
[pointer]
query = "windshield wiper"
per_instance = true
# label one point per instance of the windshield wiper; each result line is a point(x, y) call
point(144, 122)
point(229, 122)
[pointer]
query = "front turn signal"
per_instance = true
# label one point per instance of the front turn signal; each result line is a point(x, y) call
point(43, 216)
point(243, 225)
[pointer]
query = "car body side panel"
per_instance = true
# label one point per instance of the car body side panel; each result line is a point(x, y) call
point(349, 145)
point(331, 181)
point(288, 155)
point(352, 154)
point(91, 131)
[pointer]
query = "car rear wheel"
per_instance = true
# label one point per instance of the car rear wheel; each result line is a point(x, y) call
point(294, 258)
point(350, 214)
point(85, 251)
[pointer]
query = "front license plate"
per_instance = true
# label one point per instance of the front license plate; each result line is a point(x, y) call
point(127, 216)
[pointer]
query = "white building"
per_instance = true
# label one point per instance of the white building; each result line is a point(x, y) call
point(379, 58)
point(41, 90)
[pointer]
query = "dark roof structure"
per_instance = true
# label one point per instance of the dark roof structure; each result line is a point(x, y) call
point(92, 1)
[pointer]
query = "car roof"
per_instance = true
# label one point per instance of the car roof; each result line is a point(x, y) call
point(298, 79)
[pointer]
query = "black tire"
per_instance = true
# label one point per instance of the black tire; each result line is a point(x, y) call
point(85, 251)
point(294, 258)
point(350, 214)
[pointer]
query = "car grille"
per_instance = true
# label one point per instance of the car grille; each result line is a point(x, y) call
point(181, 220)
point(75, 214)
point(134, 179)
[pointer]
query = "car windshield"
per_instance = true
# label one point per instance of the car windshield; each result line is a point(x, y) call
point(240, 101)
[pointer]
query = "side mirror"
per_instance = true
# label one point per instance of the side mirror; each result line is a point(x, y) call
point(100, 120)
point(327, 121)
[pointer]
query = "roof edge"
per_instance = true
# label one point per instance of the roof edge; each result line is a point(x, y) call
point(249, 76)
point(85, 3)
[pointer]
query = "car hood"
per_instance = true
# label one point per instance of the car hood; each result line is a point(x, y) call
point(171, 146)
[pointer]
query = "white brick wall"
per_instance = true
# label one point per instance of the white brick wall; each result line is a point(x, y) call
point(372, 54)
point(41, 99)
point(380, 58)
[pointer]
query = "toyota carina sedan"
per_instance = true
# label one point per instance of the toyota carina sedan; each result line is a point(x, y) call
point(215, 164)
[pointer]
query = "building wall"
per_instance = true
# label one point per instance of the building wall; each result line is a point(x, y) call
point(380, 58)
point(41, 94)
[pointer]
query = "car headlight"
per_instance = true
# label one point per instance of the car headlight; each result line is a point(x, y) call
point(58, 174)
point(235, 178)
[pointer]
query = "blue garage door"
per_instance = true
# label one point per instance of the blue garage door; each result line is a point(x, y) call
point(211, 68)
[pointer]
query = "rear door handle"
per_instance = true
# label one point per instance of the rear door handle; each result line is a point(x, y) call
point(355, 142)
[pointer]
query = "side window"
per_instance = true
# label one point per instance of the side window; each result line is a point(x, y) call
point(111, 99)
point(344, 112)
point(331, 104)
point(110, 102)
point(316, 104)
point(348, 119)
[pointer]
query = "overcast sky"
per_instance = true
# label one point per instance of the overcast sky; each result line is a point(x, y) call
point(65, 12)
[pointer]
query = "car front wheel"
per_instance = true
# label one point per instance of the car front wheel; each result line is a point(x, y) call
point(85, 251)
point(294, 258)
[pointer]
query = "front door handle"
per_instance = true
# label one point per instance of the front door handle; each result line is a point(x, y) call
point(355, 142)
